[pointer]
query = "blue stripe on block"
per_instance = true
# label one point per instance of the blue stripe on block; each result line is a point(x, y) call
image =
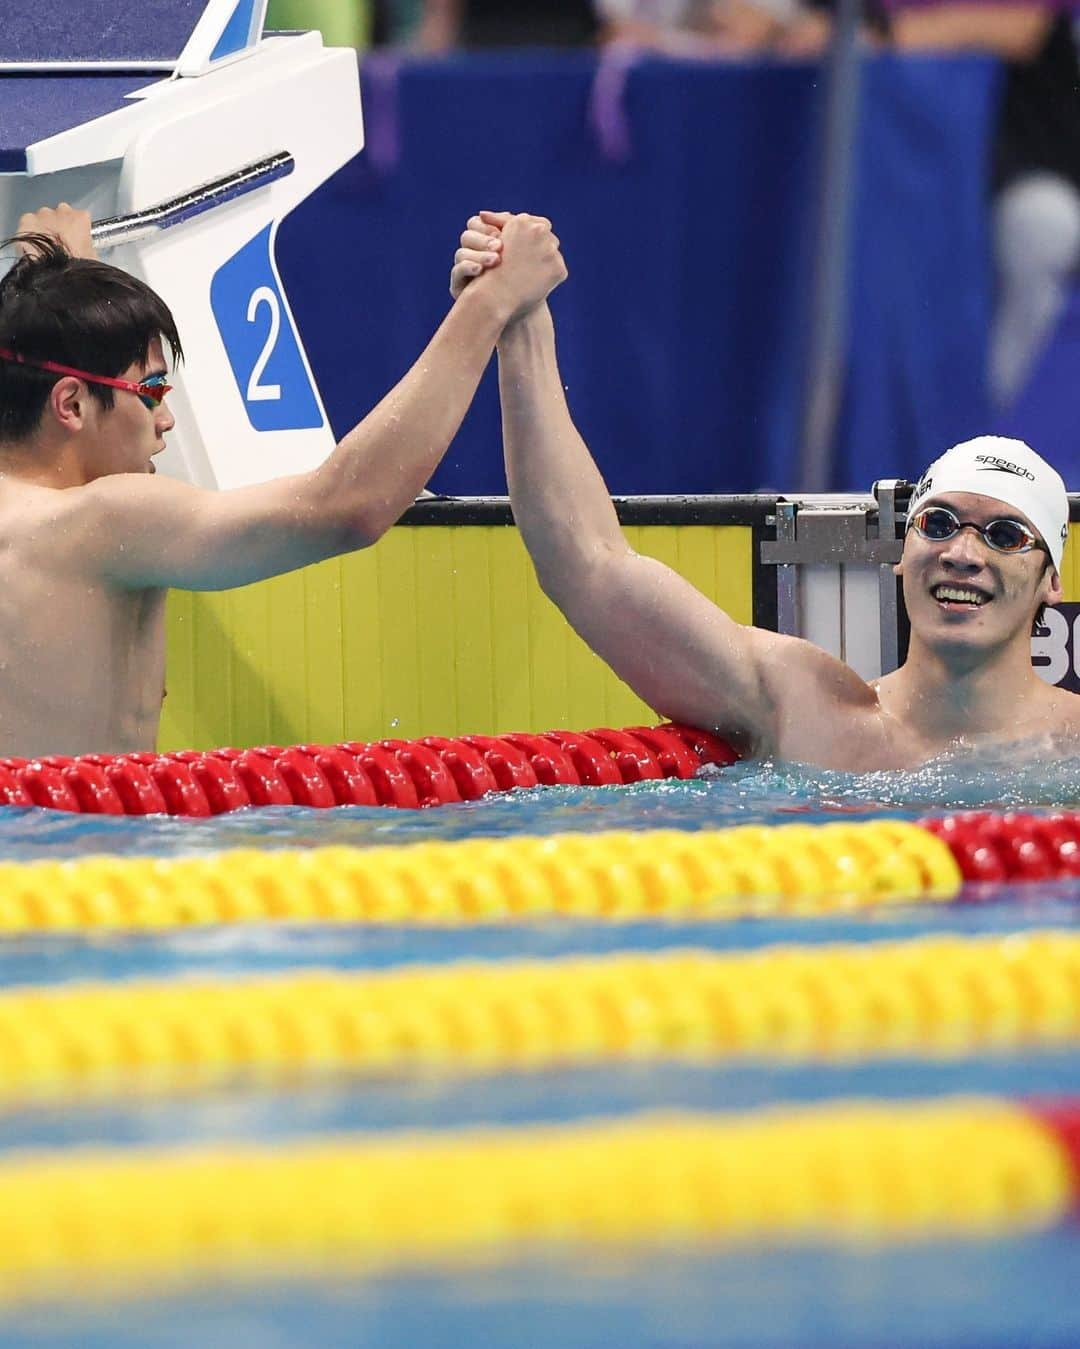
point(236, 35)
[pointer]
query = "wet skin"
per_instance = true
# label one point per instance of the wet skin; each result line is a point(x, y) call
point(83, 661)
point(968, 678)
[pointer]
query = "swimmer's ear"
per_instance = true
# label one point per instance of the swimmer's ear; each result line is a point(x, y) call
point(67, 402)
point(1053, 590)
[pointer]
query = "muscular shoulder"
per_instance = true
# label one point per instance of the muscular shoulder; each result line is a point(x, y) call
point(1064, 710)
point(793, 668)
point(32, 516)
point(812, 694)
point(66, 529)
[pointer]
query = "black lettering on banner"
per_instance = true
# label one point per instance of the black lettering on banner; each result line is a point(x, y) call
point(1056, 647)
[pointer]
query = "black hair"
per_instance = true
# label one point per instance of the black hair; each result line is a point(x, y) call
point(79, 312)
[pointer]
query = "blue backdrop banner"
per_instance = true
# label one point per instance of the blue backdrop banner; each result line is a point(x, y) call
point(684, 195)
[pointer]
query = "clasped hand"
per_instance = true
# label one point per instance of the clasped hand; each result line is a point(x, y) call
point(521, 252)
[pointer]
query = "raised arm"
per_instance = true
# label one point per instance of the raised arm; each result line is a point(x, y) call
point(155, 532)
point(678, 651)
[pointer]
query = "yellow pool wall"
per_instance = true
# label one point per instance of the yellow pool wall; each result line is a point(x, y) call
point(437, 630)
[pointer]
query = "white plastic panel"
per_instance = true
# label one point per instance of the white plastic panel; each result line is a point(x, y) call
point(820, 607)
point(862, 620)
point(246, 406)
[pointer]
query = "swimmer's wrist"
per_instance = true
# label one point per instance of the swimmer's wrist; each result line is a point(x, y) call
point(484, 305)
point(523, 326)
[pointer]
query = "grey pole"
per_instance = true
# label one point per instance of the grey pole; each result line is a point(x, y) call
point(827, 325)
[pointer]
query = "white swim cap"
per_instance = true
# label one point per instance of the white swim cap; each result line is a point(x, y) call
point(1009, 471)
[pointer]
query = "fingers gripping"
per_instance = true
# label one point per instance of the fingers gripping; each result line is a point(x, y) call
point(477, 253)
point(67, 224)
point(483, 243)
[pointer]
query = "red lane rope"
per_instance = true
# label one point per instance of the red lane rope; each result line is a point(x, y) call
point(1062, 1118)
point(1013, 846)
point(404, 773)
point(437, 770)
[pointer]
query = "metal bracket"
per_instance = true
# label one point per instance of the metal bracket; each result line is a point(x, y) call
point(787, 587)
point(831, 534)
point(826, 551)
point(889, 525)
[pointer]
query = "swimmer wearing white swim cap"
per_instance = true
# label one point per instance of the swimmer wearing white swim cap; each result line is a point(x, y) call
point(982, 555)
point(1008, 471)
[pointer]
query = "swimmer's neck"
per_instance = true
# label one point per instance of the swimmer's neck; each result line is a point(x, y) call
point(43, 463)
point(941, 699)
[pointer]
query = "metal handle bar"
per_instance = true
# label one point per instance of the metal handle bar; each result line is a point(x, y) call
point(123, 229)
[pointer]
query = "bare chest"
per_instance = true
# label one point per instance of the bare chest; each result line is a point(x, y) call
point(82, 667)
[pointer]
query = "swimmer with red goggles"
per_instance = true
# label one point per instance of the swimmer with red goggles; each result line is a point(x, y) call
point(93, 538)
point(150, 391)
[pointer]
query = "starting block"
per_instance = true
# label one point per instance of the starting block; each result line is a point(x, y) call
point(189, 136)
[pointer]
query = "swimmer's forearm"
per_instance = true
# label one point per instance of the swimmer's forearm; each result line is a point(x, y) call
point(382, 464)
point(561, 504)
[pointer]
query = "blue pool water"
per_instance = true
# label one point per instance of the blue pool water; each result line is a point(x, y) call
point(986, 1294)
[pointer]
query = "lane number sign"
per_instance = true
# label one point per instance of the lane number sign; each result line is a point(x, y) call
point(261, 342)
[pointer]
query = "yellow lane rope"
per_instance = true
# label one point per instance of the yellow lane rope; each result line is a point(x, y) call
point(127, 1221)
point(927, 996)
point(751, 869)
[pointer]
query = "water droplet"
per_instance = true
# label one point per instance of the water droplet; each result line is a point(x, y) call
point(395, 721)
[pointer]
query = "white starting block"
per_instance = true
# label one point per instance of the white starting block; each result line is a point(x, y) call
point(189, 137)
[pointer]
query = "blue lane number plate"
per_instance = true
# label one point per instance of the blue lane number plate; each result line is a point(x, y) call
point(261, 342)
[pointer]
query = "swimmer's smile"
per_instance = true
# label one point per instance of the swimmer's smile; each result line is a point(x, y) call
point(959, 598)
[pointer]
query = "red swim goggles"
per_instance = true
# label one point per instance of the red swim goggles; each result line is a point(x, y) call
point(151, 392)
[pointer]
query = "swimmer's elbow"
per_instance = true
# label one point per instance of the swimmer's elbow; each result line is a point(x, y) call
point(363, 523)
point(351, 514)
point(356, 536)
point(582, 581)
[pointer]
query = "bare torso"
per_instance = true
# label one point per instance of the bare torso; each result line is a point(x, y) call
point(82, 662)
point(895, 723)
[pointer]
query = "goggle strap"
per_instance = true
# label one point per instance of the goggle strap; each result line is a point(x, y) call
point(155, 391)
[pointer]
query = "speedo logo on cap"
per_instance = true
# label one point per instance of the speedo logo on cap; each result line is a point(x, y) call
point(991, 463)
